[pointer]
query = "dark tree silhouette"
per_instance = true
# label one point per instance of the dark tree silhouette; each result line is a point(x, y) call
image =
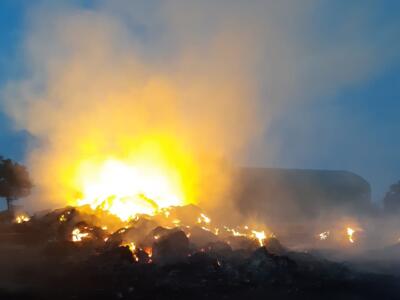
point(391, 201)
point(14, 180)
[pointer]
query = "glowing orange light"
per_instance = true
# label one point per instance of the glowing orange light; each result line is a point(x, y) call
point(126, 190)
point(78, 236)
point(350, 232)
point(22, 218)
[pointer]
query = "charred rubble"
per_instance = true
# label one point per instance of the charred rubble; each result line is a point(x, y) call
point(41, 260)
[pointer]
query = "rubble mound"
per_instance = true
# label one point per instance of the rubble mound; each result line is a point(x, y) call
point(67, 254)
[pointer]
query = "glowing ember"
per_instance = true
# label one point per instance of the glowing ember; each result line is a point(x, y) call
point(149, 251)
point(78, 236)
point(324, 235)
point(166, 213)
point(133, 249)
point(234, 232)
point(260, 236)
point(205, 228)
point(203, 218)
point(22, 218)
point(62, 218)
point(350, 232)
point(176, 221)
point(131, 246)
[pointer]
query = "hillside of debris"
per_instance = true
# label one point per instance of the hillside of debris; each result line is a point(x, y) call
point(40, 258)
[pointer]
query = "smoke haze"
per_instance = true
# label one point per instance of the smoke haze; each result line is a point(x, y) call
point(204, 77)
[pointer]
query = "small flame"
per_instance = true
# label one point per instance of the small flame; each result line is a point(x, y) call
point(260, 236)
point(149, 251)
point(324, 235)
point(350, 232)
point(78, 236)
point(131, 246)
point(203, 218)
point(22, 218)
point(62, 218)
point(234, 232)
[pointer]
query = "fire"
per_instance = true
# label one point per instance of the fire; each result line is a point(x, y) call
point(149, 251)
point(324, 235)
point(260, 236)
point(350, 232)
point(234, 232)
point(78, 236)
point(21, 219)
point(131, 246)
point(176, 222)
point(203, 218)
point(125, 189)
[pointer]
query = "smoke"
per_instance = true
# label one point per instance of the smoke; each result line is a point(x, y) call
point(204, 77)
point(94, 91)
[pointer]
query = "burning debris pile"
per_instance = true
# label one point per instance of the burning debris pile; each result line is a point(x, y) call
point(187, 226)
point(78, 253)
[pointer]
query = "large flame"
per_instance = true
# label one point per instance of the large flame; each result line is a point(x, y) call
point(125, 189)
point(153, 176)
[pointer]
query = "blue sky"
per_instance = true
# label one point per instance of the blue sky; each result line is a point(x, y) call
point(12, 143)
point(356, 128)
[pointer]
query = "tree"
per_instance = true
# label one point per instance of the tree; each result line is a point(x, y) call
point(392, 199)
point(14, 180)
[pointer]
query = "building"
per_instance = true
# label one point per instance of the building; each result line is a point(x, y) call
point(283, 196)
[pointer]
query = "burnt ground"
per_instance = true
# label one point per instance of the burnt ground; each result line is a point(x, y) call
point(66, 271)
point(38, 262)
